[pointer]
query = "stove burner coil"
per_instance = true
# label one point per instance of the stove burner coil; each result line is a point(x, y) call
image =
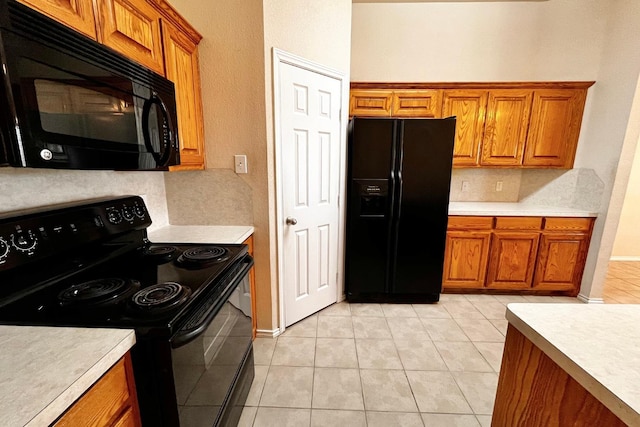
point(161, 296)
point(202, 256)
point(96, 291)
point(160, 253)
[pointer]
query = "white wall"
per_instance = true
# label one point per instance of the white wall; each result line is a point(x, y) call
point(627, 241)
point(488, 41)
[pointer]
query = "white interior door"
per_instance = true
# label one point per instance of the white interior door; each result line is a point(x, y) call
point(310, 131)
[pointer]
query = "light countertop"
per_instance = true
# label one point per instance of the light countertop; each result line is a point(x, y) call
point(514, 209)
point(44, 370)
point(223, 234)
point(597, 344)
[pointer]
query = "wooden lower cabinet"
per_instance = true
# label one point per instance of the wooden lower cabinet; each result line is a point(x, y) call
point(252, 279)
point(530, 255)
point(535, 391)
point(110, 402)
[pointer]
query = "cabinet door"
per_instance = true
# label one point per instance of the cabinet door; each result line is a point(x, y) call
point(512, 259)
point(554, 128)
point(182, 68)
point(506, 127)
point(561, 261)
point(370, 103)
point(469, 107)
point(417, 103)
point(77, 14)
point(465, 259)
point(133, 29)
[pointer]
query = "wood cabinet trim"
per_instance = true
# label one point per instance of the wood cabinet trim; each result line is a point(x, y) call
point(252, 279)
point(474, 85)
point(170, 14)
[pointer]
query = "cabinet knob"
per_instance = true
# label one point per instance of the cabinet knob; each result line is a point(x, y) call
point(291, 220)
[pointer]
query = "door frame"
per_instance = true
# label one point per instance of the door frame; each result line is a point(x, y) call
point(281, 57)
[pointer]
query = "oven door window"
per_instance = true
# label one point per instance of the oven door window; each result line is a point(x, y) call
point(204, 369)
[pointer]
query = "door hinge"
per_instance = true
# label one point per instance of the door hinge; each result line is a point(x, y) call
point(336, 277)
point(338, 200)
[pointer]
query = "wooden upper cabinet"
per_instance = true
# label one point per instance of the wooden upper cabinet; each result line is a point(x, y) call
point(133, 29)
point(370, 103)
point(469, 106)
point(182, 68)
point(554, 128)
point(417, 103)
point(77, 14)
point(506, 127)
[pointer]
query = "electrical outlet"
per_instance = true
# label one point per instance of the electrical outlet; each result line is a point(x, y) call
point(465, 186)
point(241, 163)
point(499, 186)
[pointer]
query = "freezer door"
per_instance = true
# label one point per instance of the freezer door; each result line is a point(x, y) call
point(371, 159)
point(420, 219)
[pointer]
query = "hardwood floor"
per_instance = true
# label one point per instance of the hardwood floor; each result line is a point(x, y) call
point(623, 283)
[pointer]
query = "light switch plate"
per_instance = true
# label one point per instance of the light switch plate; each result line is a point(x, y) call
point(241, 163)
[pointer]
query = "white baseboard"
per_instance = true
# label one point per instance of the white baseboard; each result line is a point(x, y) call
point(625, 258)
point(267, 333)
point(588, 300)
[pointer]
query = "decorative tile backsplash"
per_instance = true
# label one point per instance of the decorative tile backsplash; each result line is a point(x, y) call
point(210, 197)
point(27, 188)
point(485, 185)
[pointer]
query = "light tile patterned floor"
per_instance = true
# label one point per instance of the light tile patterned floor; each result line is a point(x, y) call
point(433, 365)
point(623, 283)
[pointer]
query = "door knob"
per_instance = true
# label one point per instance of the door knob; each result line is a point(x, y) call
point(291, 221)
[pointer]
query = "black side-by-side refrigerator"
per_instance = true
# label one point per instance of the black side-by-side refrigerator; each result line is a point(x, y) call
point(399, 174)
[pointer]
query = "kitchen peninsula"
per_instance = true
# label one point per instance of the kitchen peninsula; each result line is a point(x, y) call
point(44, 370)
point(570, 364)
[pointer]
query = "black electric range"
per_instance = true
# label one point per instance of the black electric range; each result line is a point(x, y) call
point(90, 264)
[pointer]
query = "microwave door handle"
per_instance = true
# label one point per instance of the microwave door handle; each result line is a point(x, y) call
point(167, 135)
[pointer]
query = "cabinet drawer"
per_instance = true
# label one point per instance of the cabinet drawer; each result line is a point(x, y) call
point(470, 222)
point(518, 223)
point(568, 224)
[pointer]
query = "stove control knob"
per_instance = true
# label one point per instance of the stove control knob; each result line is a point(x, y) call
point(127, 213)
point(4, 250)
point(24, 241)
point(139, 211)
point(114, 216)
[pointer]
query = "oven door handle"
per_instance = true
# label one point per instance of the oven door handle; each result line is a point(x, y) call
point(188, 333)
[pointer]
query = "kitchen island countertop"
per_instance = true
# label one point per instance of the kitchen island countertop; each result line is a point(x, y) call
point(596, 344)
point(515, 209)
point(43, 370)
point(223, 234)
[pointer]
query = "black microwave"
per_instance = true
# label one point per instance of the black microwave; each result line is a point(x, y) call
point(67, 102)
